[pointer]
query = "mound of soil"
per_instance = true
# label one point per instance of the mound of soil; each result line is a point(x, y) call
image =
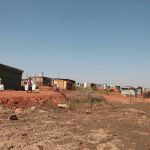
point(22, 99)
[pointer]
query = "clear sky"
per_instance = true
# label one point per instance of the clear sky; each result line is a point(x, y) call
point(102, 41)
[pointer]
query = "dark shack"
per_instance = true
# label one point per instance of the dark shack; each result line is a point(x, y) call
point(10, 77)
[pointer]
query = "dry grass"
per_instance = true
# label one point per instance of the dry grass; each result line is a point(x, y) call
point(84, 98)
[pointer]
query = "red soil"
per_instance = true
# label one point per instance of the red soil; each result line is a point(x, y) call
point(117, 97)
point(23, 99)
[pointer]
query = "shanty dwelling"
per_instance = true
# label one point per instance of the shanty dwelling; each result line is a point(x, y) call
point(139, 90)
point(10, 77)
point(128, 91)
point(146, 89)
point(64, 84)
point(117, 88)
point(90, 85)
point(42, 81)
point(131, 91)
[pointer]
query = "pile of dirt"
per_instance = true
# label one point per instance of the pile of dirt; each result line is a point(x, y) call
point(21, 99)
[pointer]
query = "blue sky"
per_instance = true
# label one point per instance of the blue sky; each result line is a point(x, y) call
point(100, 41)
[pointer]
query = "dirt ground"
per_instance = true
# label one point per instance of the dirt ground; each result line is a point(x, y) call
point(110, 126)
point(15, 99)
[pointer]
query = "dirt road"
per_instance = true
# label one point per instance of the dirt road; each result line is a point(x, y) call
point(113, 127)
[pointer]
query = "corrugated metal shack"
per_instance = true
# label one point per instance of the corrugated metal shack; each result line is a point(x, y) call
point(131, 91)
point(10, 77)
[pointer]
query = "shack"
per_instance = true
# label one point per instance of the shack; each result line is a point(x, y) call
point(10, 77)
point(129, 90)
point(90, 85)
point(64, 84)
point(41, 81)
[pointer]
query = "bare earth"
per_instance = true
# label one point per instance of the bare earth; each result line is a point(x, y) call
point(111, 126)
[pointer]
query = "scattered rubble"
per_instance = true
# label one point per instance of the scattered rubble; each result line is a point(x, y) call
point(65, 106)
point(88, 112)
point(13, 117)
point(18, 111)
point(33, 109)
point(10, 147)
point(134, 112)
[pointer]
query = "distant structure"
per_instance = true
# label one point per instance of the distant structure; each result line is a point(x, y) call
point(146, 89)
point(10, 77)
point(64, 84)
point(131, 91)
point(89, 85)
point(41, 81)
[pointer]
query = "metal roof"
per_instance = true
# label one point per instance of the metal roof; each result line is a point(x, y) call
point(9, 67)
point(64, 79)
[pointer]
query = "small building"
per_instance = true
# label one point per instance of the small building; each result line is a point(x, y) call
point(117, 88)
point(10, 77)
point(139, 91)
point(41, 81)
point(129, 90)
point(64, 84)
point(146, 89)
point(90, 85)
